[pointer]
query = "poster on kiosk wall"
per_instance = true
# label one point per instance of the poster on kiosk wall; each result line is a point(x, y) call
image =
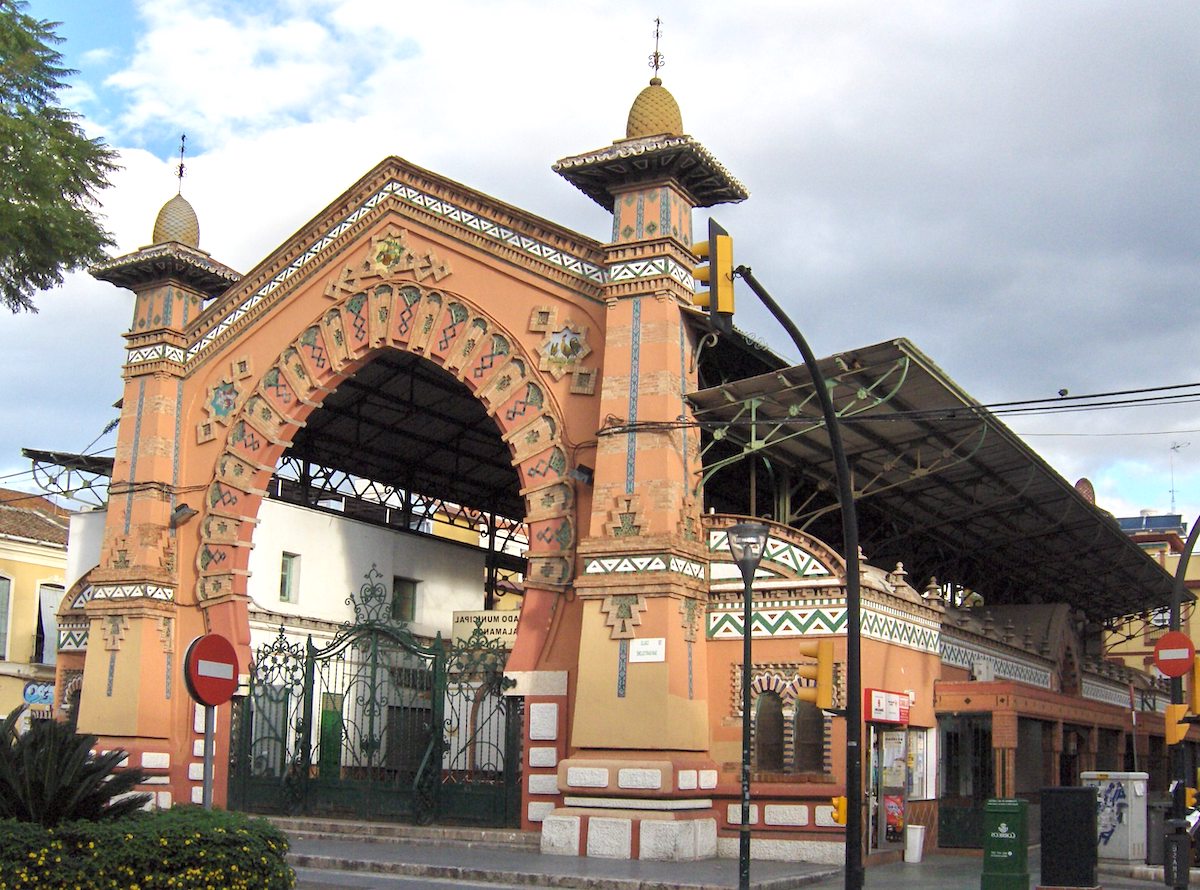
point(890, 756)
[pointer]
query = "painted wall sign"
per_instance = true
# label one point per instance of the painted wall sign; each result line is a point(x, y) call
point(881, 706)
point(39, 693)
point(648, 649)
point(500, 626)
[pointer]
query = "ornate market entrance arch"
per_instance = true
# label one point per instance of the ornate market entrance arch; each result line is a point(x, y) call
point(260, 418)
point(224, 371)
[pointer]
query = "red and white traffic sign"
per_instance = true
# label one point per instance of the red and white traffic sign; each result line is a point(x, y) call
point(211, 670)
point(1174, 653)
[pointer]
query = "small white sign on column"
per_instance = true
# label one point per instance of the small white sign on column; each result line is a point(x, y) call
point(648, 649)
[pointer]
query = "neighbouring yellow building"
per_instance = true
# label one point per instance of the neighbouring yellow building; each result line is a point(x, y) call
point(33, 558)
point(1162, 538)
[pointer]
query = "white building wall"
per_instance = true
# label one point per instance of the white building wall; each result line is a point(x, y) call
point(85, 535)
point(336, 553)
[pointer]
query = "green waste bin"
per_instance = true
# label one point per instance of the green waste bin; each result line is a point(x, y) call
point(1005, 845)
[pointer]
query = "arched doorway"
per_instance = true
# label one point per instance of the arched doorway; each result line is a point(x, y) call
point(422, 406)
point(392, 717)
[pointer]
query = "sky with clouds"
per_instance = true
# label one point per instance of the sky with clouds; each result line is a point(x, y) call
point(1010, 185)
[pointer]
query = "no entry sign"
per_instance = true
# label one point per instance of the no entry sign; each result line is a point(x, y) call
point(1174, 653)
point(211, 670)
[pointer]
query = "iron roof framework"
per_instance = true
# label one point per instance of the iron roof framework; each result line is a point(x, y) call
point(941, 484)
point(401, 443)
point(80, 477)
point(405, 422)
point(401, 421)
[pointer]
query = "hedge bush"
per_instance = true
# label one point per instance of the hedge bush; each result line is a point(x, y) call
point(185, 848)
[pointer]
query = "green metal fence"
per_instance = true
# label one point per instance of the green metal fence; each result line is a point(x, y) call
point(376, 725)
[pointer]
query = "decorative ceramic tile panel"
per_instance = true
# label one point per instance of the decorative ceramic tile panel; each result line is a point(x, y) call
point(72, 637)
point(902, 632)
point(781, 552)
point(643, 564)
point(486, 227)
point(1109, 693)
point(725, 621)
point(652, 268)
point(130, 591)
point(960, 654)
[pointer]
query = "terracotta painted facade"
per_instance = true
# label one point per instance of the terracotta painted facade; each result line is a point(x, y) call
point(628, 652)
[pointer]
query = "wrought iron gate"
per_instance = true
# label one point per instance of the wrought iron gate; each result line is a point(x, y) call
point(375, 725)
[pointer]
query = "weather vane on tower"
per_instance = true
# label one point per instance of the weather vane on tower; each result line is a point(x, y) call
point(179, 170)
point(657, 59)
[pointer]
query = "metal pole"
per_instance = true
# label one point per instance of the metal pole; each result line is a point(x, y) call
point(209, 731)
point(854, 866)
point(744, 832)
point(1179, 777)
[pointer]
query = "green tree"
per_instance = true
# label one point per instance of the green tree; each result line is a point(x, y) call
point(50, 172)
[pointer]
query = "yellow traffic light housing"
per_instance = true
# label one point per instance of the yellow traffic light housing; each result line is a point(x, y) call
point(821, 694)
point(1175, 726)
point(715, 271)
point(1194, 686)
point(839, 809)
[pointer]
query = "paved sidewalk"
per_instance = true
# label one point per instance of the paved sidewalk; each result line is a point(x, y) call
point(534, 869)
point(511, 865)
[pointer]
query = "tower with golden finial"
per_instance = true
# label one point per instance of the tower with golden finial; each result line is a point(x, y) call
point(641, 716)
point(136, 581)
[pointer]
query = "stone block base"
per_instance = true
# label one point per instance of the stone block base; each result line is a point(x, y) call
point(630, 834)
point(782, 850)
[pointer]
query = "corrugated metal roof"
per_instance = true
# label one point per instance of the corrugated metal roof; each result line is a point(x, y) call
point(942, 485)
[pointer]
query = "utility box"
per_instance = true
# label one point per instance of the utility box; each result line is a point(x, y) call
point(1157, 813)
point(1120, 814)
point(1005, 845)
point(1069, 837)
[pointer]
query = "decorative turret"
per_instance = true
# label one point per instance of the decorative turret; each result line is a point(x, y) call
point(654, 113)
point(654, 152)
point(177, 222)
point(174, 255)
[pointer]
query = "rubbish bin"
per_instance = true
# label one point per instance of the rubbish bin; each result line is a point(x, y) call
point(1177, 852)
point(914, 843)
point(1156, 825)
point(1005, 845)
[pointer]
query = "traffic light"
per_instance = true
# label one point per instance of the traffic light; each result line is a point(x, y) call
point(1189, 798)
point(1194, 686)
point(1174, 725)
point(820, 695)
point(839, 809)
point(715, 271)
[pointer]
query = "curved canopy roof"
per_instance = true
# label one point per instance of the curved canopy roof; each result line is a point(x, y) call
point(941, 484)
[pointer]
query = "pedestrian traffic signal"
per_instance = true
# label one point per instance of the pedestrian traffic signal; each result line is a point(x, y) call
point(1175, 725)
point(715, 271)
point(839, 809)
point(821, 694)
point(1189, 798)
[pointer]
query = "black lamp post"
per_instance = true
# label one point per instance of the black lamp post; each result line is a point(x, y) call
point(854, 792)
point(747, 541)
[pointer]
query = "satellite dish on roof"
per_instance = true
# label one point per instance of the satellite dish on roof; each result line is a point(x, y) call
point(1086, 490)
